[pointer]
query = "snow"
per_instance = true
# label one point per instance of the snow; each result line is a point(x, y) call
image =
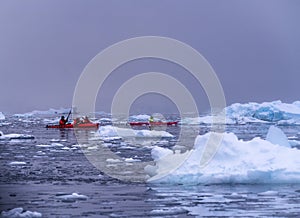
point(236, 161)
point(113, 132)
point(14, 136)
point(20, 213)
point(2, 117)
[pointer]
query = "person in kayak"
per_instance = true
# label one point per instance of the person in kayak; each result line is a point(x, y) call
point(62, 121)
point(151, 120)
point(86, 120)
point(77, 121)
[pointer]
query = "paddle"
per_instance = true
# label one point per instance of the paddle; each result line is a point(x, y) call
point(68, 115)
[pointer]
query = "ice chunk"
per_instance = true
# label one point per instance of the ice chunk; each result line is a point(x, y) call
point(20, 213)
point(72, 197)
point(277, 137)
point(17, 163)
point(2, 117)
point(140, 117)
point(111, 131)
point(236, 161)
point(15, 136)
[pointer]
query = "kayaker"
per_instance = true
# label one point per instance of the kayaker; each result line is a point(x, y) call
point(151, 120)
point(86, 120)
point(62, 121)
point(76, 121)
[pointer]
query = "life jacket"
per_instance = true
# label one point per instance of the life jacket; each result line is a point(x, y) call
point(62, 122)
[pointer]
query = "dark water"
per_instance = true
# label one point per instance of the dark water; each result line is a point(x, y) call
point(55, 170)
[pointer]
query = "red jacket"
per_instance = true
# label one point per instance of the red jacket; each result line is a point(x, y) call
point(62, 122)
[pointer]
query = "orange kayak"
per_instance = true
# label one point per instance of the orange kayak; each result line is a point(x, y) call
point(70, 125)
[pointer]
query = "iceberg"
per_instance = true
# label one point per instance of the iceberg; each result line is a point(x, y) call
point(2, 117)
point(236, 161)
point(268, 111)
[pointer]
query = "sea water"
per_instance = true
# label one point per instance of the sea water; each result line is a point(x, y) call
point(51, 176)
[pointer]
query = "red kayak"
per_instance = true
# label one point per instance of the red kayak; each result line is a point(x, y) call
point(70, 125)
point(158, 123)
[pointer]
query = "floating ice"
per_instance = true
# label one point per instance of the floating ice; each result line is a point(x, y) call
point(267, 111)
point(276, 111)
point(111, 131)
point(50, 146)
point(20, 213)
point(277, 137)
point(15, 136)
point(236, 161)
point(140, 117)
point(51, 111)
point(207, 120)
point(2, 117)
point(17, 163)
point(71, 197)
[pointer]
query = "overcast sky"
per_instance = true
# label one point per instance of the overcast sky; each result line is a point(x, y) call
point(253, 46)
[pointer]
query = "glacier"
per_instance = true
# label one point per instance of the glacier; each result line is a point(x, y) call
point(236, 161)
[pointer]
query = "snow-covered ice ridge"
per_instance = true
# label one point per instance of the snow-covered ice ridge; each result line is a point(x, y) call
point(236, 161)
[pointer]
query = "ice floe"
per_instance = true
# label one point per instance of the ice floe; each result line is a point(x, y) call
point(51, 111)
point(71, 197)
point(2, 117)
point(113, 132)
point(15, 136)
point(236, 161)
point(19, 212)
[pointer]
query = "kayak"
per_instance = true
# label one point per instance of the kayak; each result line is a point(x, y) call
point(70, 125)
point(156, 123)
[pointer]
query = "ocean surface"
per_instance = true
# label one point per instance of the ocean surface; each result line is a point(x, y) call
point(52, 176)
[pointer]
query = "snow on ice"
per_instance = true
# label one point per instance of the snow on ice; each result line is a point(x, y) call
point(236, 161)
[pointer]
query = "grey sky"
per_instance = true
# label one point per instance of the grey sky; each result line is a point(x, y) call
point(253, 46)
